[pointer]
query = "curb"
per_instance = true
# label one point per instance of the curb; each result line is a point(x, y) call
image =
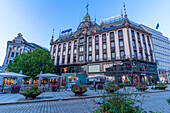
point(73, 98)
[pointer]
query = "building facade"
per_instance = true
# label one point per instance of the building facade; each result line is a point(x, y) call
point(16, 47)
point(105, 49)
point(161, 45)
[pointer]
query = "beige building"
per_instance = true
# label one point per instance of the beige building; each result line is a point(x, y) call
point(118, 47)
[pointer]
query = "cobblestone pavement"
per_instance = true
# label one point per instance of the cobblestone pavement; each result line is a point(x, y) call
point(155, 102)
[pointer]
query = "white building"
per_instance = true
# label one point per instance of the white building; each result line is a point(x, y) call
point(15, 47)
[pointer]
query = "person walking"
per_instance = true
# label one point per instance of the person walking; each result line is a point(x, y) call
point(94, 83)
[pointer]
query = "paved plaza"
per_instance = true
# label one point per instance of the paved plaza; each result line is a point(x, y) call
point(155, 102)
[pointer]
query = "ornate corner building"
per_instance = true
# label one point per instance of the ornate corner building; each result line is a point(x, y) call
point(117, 47)
point(17, 46)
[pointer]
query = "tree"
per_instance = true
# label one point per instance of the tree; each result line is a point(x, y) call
point(32, 63)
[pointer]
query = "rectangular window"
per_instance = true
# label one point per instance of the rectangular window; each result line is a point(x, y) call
point(148, 38)
point(75, 43)
point(81, 58)
point(59, 46)
point(149, 47)
point(112, 35)
point(122, 53)
point(121, 43)
point(68, 60)
point(10, 61)
point(135, 55)
point(97, 57)
point(90, 48)
point(93, 68)
point(104, 36)
point(74, 59)
point(75, 50)
point(81, 40)
point(97, 38)
point(144, 46)
point(132, 32)
point(104, 45)
point(138, 35)
point(133, 43)
point(81, 49)
point(64, 44)
point(58, 53)
point(69, 51)
point(90, 57)
point(120, 33)
point(104, 56)
point(12, 55)
point(64, 52)
point(143, 37)
point(17, 54)
point(63, 60)
point(97, 47)
point(90, 39)
point(112, 44)
point(139, 45)
point(18, 48)
point(141, 56)
point(69, 44)
point(14, 47)
point(113, 55)
point(54, 47)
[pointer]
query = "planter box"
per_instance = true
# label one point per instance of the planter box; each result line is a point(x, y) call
point(79, 93)
point(111, 91)
point(160, 88)
point(54, 89)
point(16, 90)
point(142, 89)
point(30, 96)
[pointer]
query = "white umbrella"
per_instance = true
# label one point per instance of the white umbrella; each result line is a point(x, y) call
point(48, 75)
point(97, 76)
point(12, 74)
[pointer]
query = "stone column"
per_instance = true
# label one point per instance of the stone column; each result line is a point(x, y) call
point(108, 46)
point(72, 52)
point(61, 53)
point(55, 61)
point(137, 46)
point(100, 48)
point(117, 49)
point(130, 41)
point(66, 53)
point(143, 51)
point(93, 49)
point(147, 48)
point(126, 42)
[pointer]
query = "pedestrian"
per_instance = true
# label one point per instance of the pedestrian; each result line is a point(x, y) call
point(65, 86)
point(94, 83)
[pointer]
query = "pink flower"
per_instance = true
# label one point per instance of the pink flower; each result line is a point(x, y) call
point(54, 86)
point(115, 103)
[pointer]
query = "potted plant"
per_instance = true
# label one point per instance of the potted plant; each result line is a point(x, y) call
point(161, 86)
point(15, 88)
point(54, 87)
point(120, 85)
point(99, 86)
point(142, 87)
point(31, 92)
point(168, 100)
point(73, 85)
point(79, 90)
point(111, 88)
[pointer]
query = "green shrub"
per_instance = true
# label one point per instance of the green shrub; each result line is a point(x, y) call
point(168, 100)
point(79, 89)
point(161, 85)
point(32, 90)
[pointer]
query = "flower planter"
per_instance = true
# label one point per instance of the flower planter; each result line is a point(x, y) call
point(54, 89)
point(30, 96)
point(79, 93)
point(160, 88)
point(100, 87)
point(142, 89)
point(15, 90)
point(111, 91)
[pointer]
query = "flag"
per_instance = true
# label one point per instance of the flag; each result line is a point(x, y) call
point(157, 26)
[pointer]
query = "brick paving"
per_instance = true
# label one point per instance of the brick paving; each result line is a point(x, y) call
point(155, 102)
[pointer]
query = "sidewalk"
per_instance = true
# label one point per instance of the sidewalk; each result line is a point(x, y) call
point(69, 95)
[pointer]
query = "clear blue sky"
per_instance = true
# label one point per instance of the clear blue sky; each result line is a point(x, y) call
point(35, 19)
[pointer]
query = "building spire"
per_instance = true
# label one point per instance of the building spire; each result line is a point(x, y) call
point(121, 14)
point(126, 19)
point(87, 7)
point(124, 8)
point(52, 39)
point(95, 18)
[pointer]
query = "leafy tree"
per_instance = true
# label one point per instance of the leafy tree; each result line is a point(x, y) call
point(32, 63)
